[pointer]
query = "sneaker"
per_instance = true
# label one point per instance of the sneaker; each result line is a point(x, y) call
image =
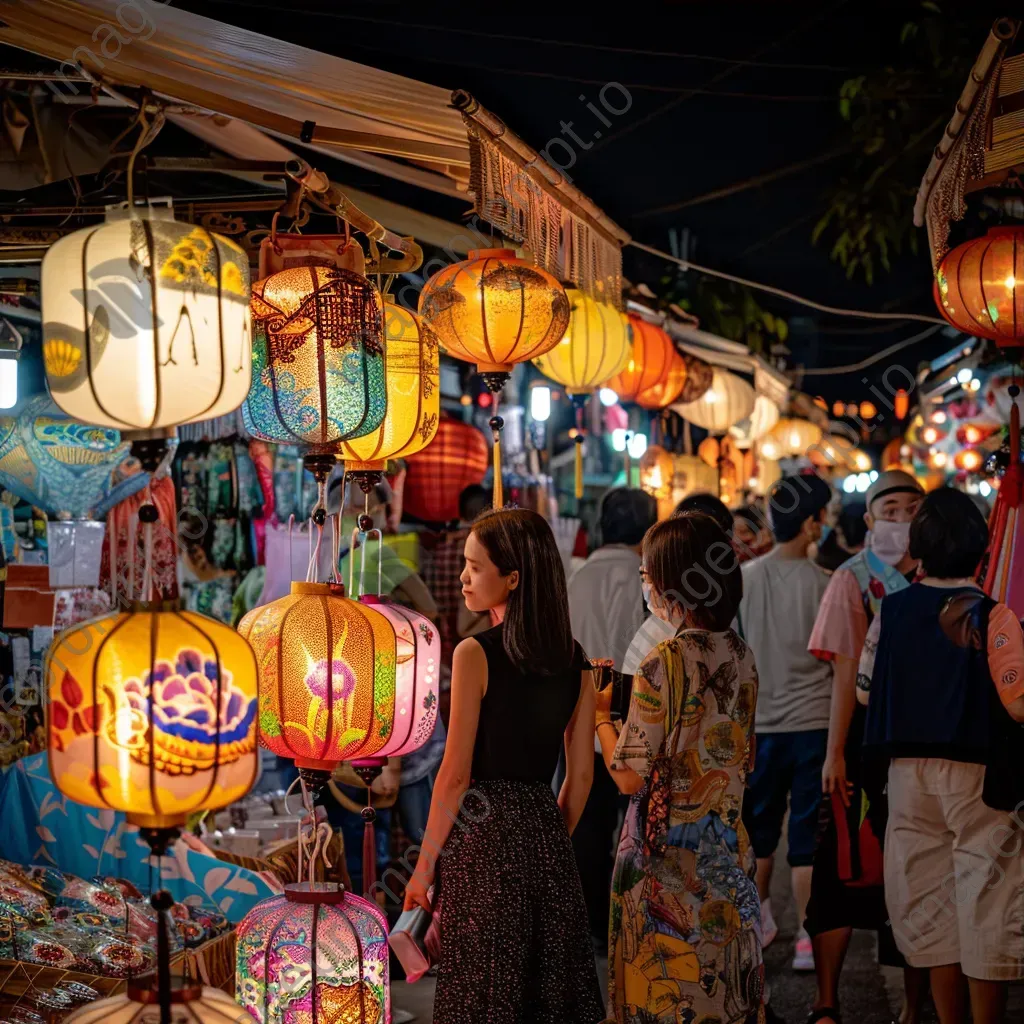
point(803, 955)
point(769, 929)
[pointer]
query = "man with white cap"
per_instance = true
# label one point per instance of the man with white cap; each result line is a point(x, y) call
point(846, 889)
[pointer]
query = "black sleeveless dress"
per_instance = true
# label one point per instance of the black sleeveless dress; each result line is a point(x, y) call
point(515, 945)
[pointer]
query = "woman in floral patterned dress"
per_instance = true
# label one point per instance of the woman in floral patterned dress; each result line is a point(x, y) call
point(685, 923)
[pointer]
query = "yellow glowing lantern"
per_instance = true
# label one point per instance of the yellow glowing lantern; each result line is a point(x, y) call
point(692, 475)
point(790, 437)
point(414, 397)
point(595, 346)
point(495, 310)
point(656, 475)
point(146, 323)
point(709, 450)
point(152, 712)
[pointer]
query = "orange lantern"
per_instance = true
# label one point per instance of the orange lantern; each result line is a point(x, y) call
point(891, 455)
point(657, 471)
point(655, 372)
point(326, 677)
point(709, 451)
point(979, 286)
point(901, 404)
point(437, 475)
point(495, 310)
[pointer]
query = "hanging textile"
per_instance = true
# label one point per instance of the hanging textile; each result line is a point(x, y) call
point(127, 541)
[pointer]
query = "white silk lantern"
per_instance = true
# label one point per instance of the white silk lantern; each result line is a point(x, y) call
point(146, 323)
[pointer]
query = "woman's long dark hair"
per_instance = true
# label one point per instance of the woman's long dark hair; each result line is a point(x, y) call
point(537, 633)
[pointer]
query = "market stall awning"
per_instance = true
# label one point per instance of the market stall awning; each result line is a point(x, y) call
point(407, 129)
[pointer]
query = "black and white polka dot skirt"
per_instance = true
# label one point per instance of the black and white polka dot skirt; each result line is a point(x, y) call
point(515, 946)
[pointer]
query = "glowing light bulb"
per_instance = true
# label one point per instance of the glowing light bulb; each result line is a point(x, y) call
point(863, 482)
point(984, 488)
point(939, 416)
point(1010, 282)
point(8, 383)
point(618, 439)
point(964, 375)
point(711, 396)
point(850, 484)
point(929, 435)
point(607, 396)
point(540, 402)
point(637, 445)
point(939, 459)
point(873, 475)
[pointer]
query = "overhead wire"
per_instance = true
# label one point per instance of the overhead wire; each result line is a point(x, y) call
point(782, 293)
point(831, 371)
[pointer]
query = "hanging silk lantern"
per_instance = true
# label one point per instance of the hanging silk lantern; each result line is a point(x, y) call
point(595, 346)
point(317, 359)
point(326, 677)
point(413, 398)
point(656, 475)
point(979, 286)
point(437, 475)
point(315, 955)
point(790, 437)
point(692, 475)
point(654, 372)
point(191, 1004)
point(417, 682)
point(768, 473)
point(152, 712)
point(63, 466)
point(146, 323)
point(728, 400)
point(495, 310)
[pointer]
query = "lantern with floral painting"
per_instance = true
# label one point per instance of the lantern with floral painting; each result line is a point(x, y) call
point(979, 286)
point(495, 310)
point(414, 399)
point(317, 361)
point(437, 475)
point(314, 955)
point(152, 712)
point(326, 669)
point(146, 323)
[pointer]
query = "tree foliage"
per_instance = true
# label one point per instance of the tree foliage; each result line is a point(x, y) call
point(893, 117)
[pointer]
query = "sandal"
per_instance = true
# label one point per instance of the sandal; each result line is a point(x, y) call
point(824, 1013)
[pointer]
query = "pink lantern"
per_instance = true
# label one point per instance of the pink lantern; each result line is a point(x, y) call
point(418, 663)
point(316, 955)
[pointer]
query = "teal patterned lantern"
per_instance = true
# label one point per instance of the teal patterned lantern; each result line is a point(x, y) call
point(63, 466)
point(317, 359)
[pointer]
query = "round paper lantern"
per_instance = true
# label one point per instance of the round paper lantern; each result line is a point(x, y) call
point(326, 677)
point(146, 323)
point(152, 712)
point(769, 472)
point(595, 346)
point(728, 400)
point(495, 310)
point(317, 359)
point(692, 475)
point(414, 397)
point(456, 458)
point(190, 1004)
point(709, 451)
point(314, 955)
point(63, 466)
point(417, 682)
point(979, 286)
point(654, 372)
point(790, 437)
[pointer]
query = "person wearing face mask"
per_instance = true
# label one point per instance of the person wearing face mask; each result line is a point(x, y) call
point(686, 919)
point(846, 889)
point(782, 592)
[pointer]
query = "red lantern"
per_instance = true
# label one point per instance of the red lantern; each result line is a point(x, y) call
point(979, 286)
point(456, 458)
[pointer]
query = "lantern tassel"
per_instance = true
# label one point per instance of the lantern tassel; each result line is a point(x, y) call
point(579, 465)
point(498, 500)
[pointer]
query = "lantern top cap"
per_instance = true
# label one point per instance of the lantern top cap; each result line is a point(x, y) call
point(370, 599)
point(330, 893)
point(144, 990)
point(310, 589)
point(483, 254)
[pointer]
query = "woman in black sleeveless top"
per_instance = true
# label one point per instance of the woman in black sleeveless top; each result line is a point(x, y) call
point(515, 947)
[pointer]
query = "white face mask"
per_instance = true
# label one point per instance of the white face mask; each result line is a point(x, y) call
point(890, 541)
point(646, 588)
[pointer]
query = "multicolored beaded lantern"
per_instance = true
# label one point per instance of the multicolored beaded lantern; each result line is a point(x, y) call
point(436, 476)
point(146, 323)
point(979, 286)
point(414, 398)
point(326, 677)
point(316, 955)
point(595, 346)
point(495, 310)
point(654, 373)
point(152, 712)
point(317, 359)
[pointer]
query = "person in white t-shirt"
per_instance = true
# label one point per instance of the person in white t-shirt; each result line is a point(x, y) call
point(782, 591)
